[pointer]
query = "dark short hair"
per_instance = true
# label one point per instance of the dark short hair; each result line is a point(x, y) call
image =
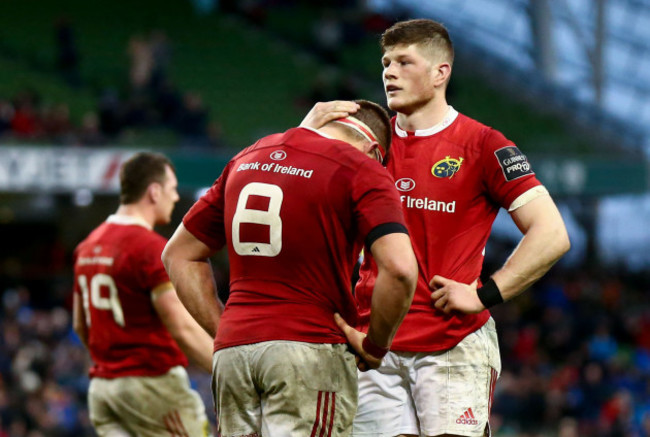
point(377, 119)
point(423, 32)
point(139, 171)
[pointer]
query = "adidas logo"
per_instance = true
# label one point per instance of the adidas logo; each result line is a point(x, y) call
point(256, 249)
point(467, 418)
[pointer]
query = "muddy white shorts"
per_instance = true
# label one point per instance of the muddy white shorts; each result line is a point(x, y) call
point(285, 388)
point(147, 406)
point(428, 394)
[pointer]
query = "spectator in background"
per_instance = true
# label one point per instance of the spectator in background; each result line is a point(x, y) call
point(89, 133)
point(26, 122)
point(142, 61)
point(192, 122)
point(127, 313)
point(67, 53)
point(168, 101)
point(6, 116)
point(161, 54)
point(111, 113)
point(57, 126)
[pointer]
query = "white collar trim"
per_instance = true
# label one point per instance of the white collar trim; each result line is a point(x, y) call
point(318, 132)
point(452, 114)
point(127, 220)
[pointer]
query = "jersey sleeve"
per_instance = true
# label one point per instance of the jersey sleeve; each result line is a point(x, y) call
point(506, 171)
point(205, 220)
point(376, 202)
point(152, 271)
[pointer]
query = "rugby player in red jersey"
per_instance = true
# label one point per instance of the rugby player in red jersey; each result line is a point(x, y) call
point(453, 174)
point(128, 315)
point(294, 211)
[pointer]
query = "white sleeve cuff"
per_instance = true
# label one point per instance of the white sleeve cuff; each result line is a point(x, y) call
point(526, 197)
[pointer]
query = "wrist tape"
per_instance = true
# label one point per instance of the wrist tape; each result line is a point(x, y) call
point(372, 349)
point(489, 294)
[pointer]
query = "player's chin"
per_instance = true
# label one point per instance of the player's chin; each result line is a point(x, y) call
point(165, 220)
point(395, 104)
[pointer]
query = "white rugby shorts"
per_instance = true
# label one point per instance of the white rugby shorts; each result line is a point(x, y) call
point(429, 394)
point(285, 388)
point(147, 406)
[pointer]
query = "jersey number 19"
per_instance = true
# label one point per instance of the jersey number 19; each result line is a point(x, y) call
point(112, 302)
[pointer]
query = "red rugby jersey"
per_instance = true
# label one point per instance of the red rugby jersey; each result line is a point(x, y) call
point(452, 178)
point(294, 210)
point(115, 268)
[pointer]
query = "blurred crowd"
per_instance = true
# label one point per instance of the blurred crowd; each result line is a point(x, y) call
point(576, 358)
point(24, 118)
point(147, 101)
point(575, 351)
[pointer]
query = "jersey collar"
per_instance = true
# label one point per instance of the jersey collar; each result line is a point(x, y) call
point(316, 131)
point(449, 119)
point(127, 220)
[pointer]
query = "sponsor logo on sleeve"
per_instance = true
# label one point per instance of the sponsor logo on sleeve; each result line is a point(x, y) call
point(514, 164)
point(405, 184)
point(446, 168)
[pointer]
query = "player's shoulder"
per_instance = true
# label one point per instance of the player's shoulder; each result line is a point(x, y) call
point(140, 246)
point(484, 135)
point(91, 238)
point(471, 126)
point(147, 236)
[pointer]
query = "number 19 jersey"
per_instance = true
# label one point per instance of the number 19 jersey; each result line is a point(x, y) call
point(294, 210)
point(116, 267)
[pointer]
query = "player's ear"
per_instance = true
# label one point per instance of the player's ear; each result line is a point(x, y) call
point(442, 72)
point(154, 191)
point(373, 150)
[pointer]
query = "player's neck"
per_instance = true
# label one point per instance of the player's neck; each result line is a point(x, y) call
point(424, 117)
point(137, 211)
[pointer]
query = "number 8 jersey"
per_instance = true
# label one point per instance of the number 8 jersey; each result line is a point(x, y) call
point(294, 210)
point(116, 267)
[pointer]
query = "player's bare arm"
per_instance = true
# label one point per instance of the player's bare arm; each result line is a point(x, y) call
point(78, 319)
point(193, 340)
point(324, 112)
point(186, 260)
point(544, 242)
point(391, 298)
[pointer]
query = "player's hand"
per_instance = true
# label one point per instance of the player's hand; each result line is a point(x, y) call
point(355, 339)
point(449, 295)
point(324, 112)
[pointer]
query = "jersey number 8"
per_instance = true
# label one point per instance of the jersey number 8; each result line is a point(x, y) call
point(270, 218)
